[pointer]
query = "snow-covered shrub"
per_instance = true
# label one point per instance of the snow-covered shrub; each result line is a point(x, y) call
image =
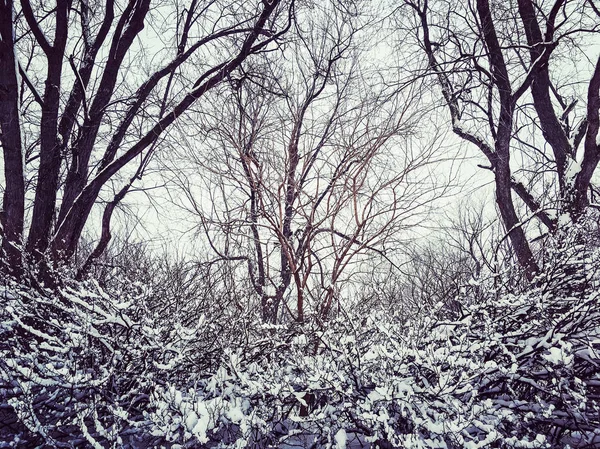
point(85, 367)
point(77, 365)
point(513, 370)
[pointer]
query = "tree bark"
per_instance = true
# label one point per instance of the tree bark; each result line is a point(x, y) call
point(70, 228)
point(50, 156)
point(540, 46)
point(591, 154)
point(13, 203)
point(129, 26)
point(504, 131)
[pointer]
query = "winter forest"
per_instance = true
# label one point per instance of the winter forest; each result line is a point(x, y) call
point(300, 224)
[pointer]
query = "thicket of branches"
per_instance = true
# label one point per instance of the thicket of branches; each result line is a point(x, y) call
point(87, 366)
point(343, 289)
point(87, 91)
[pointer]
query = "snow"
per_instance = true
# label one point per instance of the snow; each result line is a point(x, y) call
point(558, 356)
point(573, 169)
point(202, 424)
point(191, 421)
point(235, 414)
point(340, 439)
point(564, 220)
point(512, 360)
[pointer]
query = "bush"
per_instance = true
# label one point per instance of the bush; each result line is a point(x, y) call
point(84, 367)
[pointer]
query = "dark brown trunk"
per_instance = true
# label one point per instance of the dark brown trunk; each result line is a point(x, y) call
point(50, 156)
point(84, 72)
point(513, 226)
point(129, 26)
point(13, 202)
point(70, 228)
point(77, 98)
point(540, 47)
point(502, 172)
point(591, 154)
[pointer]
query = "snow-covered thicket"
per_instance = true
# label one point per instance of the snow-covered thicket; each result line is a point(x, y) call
point(94, 368)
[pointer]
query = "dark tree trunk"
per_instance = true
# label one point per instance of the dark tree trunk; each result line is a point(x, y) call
point(591, 154)
point(540, 47)
point(71, 226)
point(513, 226)
point(13, 202)
point(501, 131)
point(573, 191)
point(128, 28)
point(50, 154)
point(502, 172)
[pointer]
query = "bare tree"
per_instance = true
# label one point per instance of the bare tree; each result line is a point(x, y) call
point(508, 97)
point(13, 202)
point(313, 174)
point(99, 106)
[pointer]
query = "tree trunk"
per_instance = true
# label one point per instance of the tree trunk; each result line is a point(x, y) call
point(541, 47)
point(128, 28)
point(504, 131)
point(13, 203)
point(513, 226)
point(50, 157)
point(591, 156)
point(70, 228)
